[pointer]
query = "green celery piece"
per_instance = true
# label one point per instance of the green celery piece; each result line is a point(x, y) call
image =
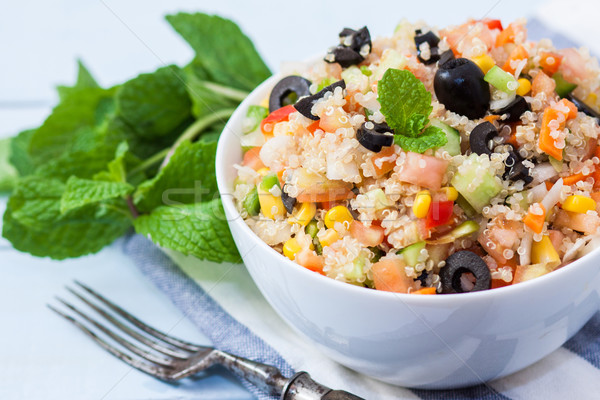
point(155, 104)
point(189, 177)
point(227, 55)
point(251, 203)
point(563, 87)
point(312, 229)
point(33, 222)
point(268, 181)
point(77, 113)
point(198, 229)
point(501, 79)
point(80, 192)
point(8, 173)
point(19, 155)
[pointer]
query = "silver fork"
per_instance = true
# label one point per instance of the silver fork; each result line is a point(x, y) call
point(170, 359)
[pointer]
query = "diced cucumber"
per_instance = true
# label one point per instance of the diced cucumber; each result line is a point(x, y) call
point(365, 70)
point(357, 270)
point(501, 80)
point(411, 253)
point(476, 183)
point(254, 117)
point(563, 87)
point(252, 139)
point(251, 203)
point(466, 207)
point(452, 146)
point(377, 254)
point(268, 181)
point(324, 83)
point(379, 199)
point(558, 165)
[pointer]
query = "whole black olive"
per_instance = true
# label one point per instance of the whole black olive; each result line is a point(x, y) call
point(459, 85)
point(374, 136)
point(305, 104)
point(292, 84)
point(480, 137)
point(581, 106)
point(460, 263)
point(288, 201)
point(445, 57)
point(514, 110)
point(433, 41)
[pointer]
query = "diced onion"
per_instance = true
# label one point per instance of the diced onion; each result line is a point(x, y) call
point(553, 196)
point(543, 172)
point(525, 258)
point(538, 192)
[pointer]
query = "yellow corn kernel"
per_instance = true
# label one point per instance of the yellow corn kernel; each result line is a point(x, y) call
point(271, 206)
point(579, 204)
point(304, 215)
point(421, 204)
point(450, 192)
point(265, 102)
point(485, 62)
point(338, 214)
point(592, 98)
point(291, 248)
point(263, 171)
point(543, 252)
point(524, 87)
point(328, 237)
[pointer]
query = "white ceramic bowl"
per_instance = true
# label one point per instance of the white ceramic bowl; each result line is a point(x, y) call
point(415, 341)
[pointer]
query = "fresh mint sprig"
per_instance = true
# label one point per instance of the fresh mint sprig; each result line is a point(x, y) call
point(406, 105)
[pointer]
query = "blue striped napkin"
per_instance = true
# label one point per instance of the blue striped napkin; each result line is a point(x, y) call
point(570, 372)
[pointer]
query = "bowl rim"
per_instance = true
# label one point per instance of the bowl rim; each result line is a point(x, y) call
point(221, 172)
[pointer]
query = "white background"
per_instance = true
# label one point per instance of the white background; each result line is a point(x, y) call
point(41, 356)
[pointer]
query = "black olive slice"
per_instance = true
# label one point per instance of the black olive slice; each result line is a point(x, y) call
point(480, 137)
point(463, 262)
point(446, 56)
point(345, 56)
point(349, 51)
point(305, 104)
point(515, 109)
point(433, 40)
point(292, 84)
point(460, 87)
point(517, 172)
point(581, 106)
point(374, 136)
point(288, 201)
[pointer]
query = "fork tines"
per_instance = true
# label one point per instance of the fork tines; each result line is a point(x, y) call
point(158, 354)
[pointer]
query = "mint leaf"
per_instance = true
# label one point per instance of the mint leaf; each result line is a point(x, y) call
point(84, 80)
point(227, 55)
point(8, 173)
point(189, 177)
point(406, 105)
point(155, 104)
point(81, 110)
point(80, 192)
point(430, 138)
point(197, 229)
point(19, 156)
point(34, 223)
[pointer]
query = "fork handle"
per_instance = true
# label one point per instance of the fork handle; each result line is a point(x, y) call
point(302, 387)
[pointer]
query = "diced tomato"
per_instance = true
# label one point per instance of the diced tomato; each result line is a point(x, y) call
point(334, 118)
point(310, 260)
point(493, 23)
point(252, 159)
point(556, 237)
point(550, 62)
point(282, 114)
point(384, 161)
point(542, 83)
point(527, 272)
point(573, 66)
point(440, 213)
point(502, 234)
point(389, 275)
point(508, 35)
point(422, 170)
point(370, 236)
point(577, 221)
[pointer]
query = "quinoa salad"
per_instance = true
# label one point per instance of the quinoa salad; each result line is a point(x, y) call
point(432, 161)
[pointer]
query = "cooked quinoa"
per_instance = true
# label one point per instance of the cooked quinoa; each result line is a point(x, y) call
point(431, 161)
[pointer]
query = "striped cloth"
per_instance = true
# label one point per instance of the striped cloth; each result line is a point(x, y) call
point(226, 306)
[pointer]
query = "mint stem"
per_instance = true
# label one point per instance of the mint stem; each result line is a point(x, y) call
point(226, 91)
point(155, 159)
